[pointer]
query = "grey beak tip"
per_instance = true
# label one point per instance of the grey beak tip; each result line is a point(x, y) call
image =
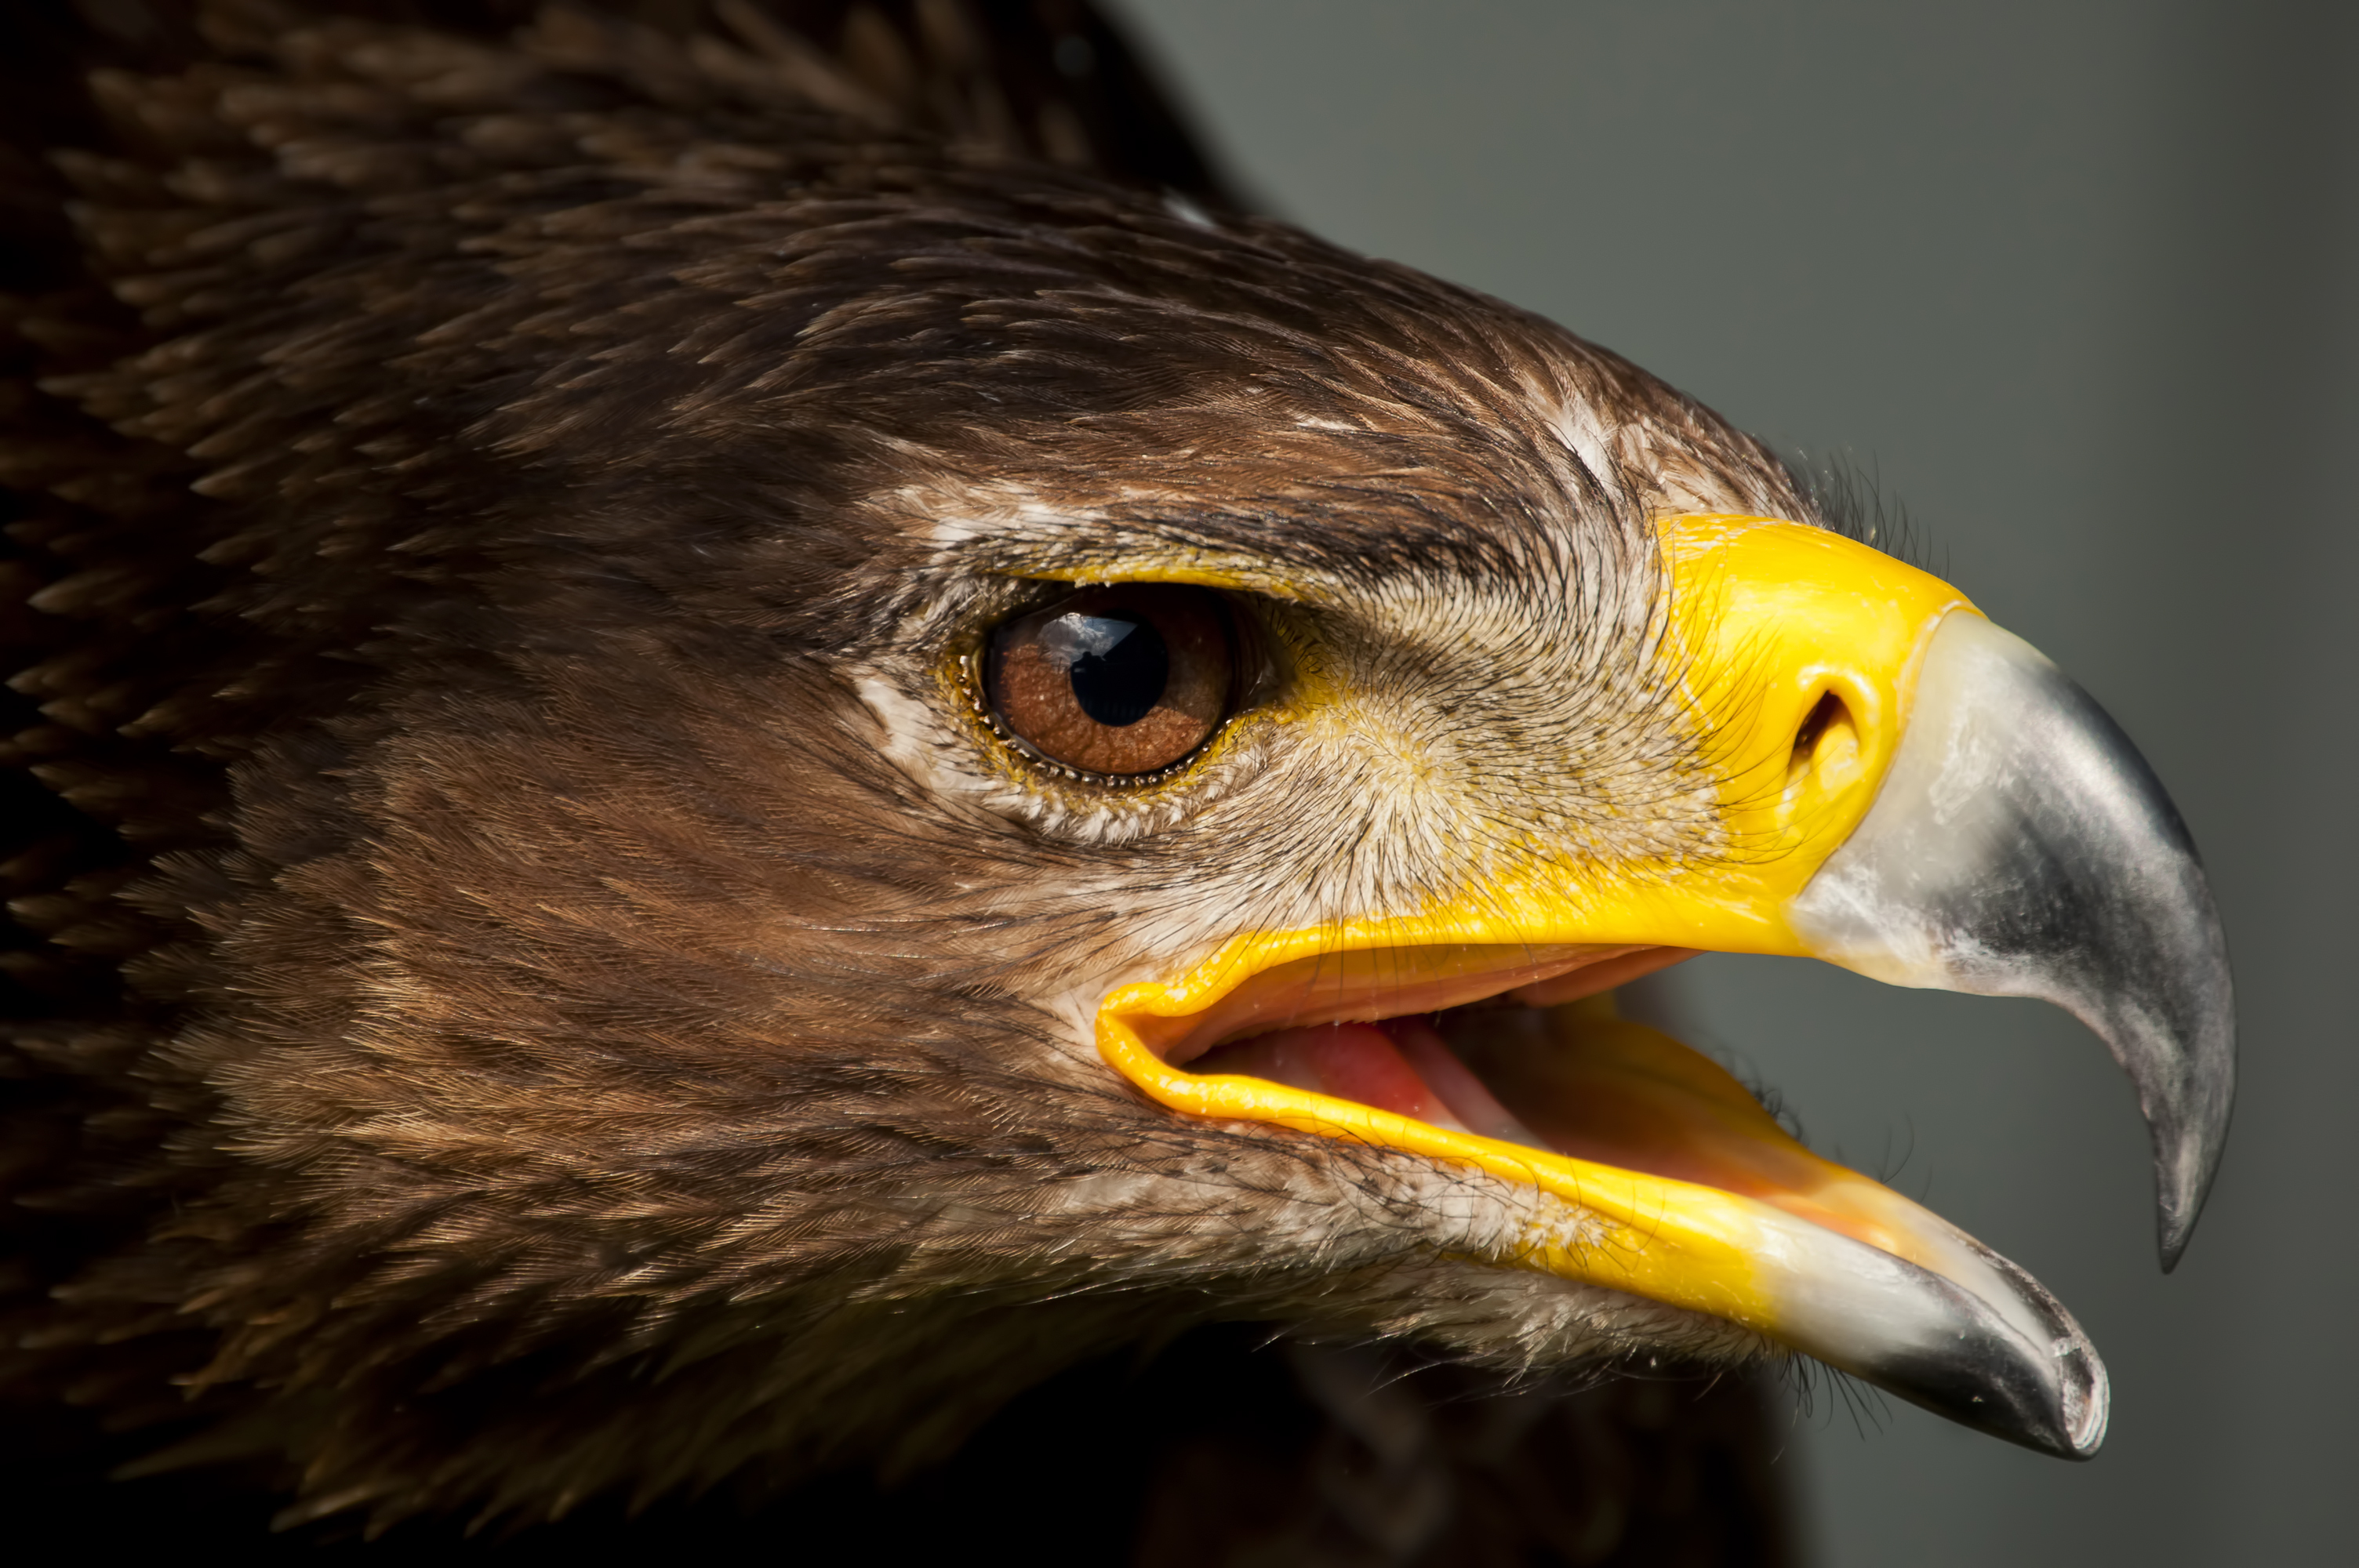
point(2190, 1108)
point(2181, 1199)
point(2021, 846)
point(2039, 1384)
point(2178, 1204)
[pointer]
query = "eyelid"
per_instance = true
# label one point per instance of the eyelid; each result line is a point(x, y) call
point(1255, 582)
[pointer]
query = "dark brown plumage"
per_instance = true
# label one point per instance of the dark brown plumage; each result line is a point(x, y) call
point(519, 1014)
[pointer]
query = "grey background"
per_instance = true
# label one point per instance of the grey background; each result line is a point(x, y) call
point(2081, 284)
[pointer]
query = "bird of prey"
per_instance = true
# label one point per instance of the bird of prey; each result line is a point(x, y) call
point(744, 730)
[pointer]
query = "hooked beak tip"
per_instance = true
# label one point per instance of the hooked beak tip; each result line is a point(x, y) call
point(2020, 845)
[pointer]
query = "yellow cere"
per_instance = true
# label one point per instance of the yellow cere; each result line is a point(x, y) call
point(1800, 650)
point(1797, 650)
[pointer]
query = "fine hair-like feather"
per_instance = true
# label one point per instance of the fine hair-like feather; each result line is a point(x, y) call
point(528, 995)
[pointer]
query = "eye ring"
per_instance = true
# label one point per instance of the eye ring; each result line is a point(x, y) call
point(1123, 685)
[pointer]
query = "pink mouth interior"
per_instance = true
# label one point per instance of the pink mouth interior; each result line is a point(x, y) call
point(1402, 1065)
point(1491, 1058)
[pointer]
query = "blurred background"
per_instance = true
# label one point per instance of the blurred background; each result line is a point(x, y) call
point(2079, 286)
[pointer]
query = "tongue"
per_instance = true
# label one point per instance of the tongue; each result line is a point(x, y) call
point(1349, 1061)
point(1476, 1108)
point(1401, 1066)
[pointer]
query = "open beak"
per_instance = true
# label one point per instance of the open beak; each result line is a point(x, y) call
point(1905, 790)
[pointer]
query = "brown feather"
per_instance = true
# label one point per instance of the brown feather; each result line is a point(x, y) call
point(504, 1024)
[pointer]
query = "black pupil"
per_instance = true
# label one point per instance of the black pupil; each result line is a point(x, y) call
point(1120, 666)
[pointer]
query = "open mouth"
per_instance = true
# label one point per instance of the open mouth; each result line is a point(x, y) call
point(1984, 829)
point(1674, 1183)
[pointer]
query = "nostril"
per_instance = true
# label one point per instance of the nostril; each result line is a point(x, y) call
point(1827, 727)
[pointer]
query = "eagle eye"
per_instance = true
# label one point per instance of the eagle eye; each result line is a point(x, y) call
point(1121, 681)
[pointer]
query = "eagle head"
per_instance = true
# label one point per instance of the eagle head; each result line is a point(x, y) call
point(843, 771)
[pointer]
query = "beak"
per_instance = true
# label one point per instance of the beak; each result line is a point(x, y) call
point(1905, 790)
point(2021, 846)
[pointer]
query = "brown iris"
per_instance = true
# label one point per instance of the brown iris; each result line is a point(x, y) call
point(1122, 680)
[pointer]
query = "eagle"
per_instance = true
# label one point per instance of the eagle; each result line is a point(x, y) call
point(749, 740)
